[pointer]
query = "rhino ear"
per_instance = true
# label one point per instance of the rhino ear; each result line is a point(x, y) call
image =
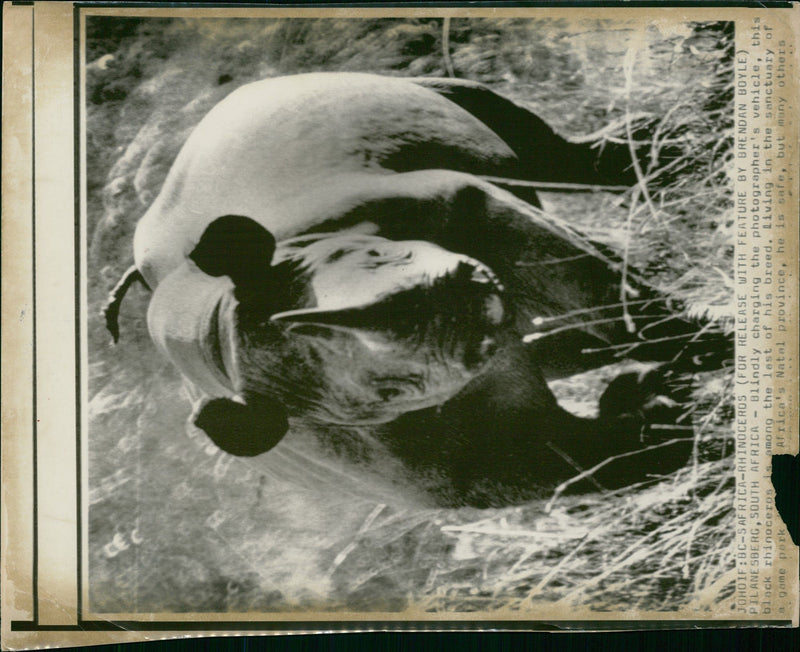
point(235, 246)
point(241, 429)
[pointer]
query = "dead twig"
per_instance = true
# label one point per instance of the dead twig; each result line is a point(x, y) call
point(560, 489)
point(554, 185)
point(448, 63)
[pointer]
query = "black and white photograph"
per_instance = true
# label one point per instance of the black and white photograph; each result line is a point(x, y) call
point(390, 319)
point(416, 315)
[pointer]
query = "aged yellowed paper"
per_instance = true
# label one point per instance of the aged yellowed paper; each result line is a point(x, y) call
point(458, 318)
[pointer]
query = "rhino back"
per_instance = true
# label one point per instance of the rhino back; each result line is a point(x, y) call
point(271, 144)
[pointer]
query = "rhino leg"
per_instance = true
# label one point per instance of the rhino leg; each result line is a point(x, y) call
point(505, 439)
point(543, 155)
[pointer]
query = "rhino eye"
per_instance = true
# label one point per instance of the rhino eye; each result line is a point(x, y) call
point(388, 393)
point(390, 255)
